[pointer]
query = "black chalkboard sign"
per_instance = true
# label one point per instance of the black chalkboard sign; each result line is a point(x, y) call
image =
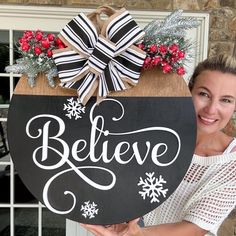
point(103, 163)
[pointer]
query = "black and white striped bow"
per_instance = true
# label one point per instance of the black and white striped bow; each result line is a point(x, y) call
point(104, 62)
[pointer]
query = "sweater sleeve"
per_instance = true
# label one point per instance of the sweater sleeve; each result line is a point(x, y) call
point(214, 201)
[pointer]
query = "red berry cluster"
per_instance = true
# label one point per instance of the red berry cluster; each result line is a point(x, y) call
point(36, 43)
point(169, 58)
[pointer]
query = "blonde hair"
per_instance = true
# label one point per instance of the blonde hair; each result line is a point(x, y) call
point(223, 63)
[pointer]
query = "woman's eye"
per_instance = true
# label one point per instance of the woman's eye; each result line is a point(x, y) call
point(226, 100)
point(204, 94)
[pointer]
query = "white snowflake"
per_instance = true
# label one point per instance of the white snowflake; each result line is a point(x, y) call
point(152, 187)
point(89, 209)
point(74, 108)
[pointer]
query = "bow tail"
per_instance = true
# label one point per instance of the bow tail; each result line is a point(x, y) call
point(86, 87)
point(114, 81)
point(102, 88)
point(109, 81)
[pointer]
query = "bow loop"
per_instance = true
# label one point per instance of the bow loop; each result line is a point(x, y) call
point(123, 31)
point(104, 61)
point(80, 34)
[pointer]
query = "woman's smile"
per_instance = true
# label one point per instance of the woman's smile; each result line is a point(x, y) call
point(206, 121)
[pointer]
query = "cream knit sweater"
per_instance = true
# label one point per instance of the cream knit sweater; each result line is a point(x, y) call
point(206, 195)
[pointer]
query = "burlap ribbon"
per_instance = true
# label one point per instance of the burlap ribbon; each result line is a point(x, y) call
point(101, 54)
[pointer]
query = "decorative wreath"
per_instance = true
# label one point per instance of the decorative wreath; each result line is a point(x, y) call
point(92, 54)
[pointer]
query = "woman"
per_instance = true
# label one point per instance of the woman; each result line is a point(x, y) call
point(207, 194)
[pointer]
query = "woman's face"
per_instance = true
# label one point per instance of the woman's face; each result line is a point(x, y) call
point(214, 98)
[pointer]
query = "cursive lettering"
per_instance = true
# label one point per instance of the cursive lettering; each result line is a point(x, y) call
point(82, 150)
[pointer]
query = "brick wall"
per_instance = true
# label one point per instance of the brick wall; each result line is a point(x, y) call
point(222, 36)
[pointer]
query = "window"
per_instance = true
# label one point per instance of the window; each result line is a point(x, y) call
point(20, 212)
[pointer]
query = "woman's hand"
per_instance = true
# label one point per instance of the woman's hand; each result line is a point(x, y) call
point(126, 229)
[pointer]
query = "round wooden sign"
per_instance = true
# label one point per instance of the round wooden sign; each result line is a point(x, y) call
point(103, 163)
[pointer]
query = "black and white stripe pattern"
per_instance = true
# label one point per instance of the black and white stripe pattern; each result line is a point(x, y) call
point(81, 34)
point(70, 65)
point(102, 54)
point(110, 57)
point(84, 86)
point(123, 31)
point(129, 64)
